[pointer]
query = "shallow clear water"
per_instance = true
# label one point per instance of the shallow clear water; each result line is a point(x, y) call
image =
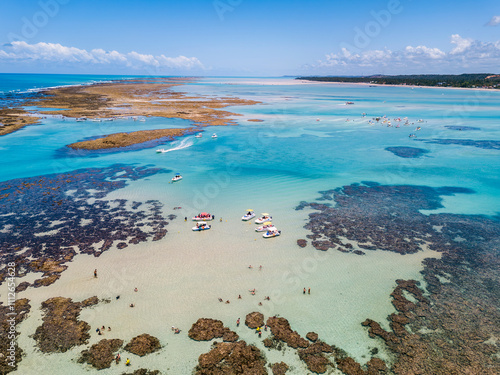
point(269, 166)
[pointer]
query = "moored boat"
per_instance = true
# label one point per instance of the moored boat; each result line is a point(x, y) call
point(214, 136)
point(266, 227)
point(265, 217)
point(199, 135)
point(204, 216)
point(250, 214)
point(177, 177)
point(201, 226)
point(272, 233)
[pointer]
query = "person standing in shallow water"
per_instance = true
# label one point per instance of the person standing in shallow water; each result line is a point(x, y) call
point(304, 292)
point(95, 272)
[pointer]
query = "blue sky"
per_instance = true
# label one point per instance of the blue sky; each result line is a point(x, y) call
point(250, 37)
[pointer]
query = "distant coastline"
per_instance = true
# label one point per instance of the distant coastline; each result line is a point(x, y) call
point(467, 81)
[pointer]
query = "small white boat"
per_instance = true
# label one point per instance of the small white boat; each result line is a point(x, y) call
point(96, 120)
point(160, 150)
point(266, 227)
point(272, 233)
point(214, 136)
point(250, 214)
point(201, 226)
point(265, 217)
point(81, 119)
point(204, 216)
point(177, 177)
point(142, 120)
point(199, 135)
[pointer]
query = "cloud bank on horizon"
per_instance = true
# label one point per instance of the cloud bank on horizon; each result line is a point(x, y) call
point(466, 54)
point(21, 51)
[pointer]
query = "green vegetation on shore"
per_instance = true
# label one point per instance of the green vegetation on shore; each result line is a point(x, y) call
point(489, 81)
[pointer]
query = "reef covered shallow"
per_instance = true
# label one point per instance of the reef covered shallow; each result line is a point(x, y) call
point(485, 144)
point(407, 152)
point(451, 324)
point(46, 220)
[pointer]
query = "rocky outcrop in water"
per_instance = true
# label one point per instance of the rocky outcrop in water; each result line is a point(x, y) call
point(280, 328)
point(312, 336)
point(314, 358)
point(207, 329)
point(143, 344)
point(61, 330)
point(101, 355)
point(254, 320)
point(143, 371)
point(279, 368)
point(231, 359)
point(302, 243)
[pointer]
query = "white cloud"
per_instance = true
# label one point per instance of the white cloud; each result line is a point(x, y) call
point(465, 54)
point(57, 53)
point(495, 20)
point(423, 52)
point(461, 44)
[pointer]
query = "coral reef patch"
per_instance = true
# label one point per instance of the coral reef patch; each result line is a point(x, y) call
point(45, 219)
point(486, 144)
point(449, 327)
point(61, 330)
point(407, 152)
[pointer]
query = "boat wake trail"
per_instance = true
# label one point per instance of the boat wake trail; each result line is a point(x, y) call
point(185, 143)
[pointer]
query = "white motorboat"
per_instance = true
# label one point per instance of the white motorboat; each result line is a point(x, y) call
point(250, 214)
point(199, 135)
point(96, 120)
point(204, 216)
point(142, 120)
point(201, 226)
point(177, 177)
point(266, 227)
point(214, 136)
point(160, 150)
point(265, 217)
point(272, 233)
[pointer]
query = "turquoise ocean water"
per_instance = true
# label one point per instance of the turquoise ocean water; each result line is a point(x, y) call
point(309, 141)
point(305, 137)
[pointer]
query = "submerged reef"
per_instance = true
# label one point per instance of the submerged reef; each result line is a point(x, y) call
point(45, 219)
point(488, 145)
point(385, 217)
point(407, 152)
point(451, 324)
point(461, 128)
